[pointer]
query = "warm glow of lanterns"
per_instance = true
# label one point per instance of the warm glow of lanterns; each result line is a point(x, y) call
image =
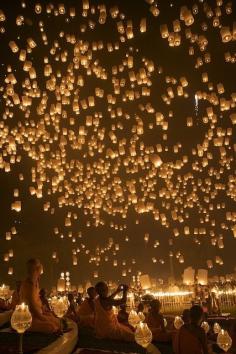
point(21, 318)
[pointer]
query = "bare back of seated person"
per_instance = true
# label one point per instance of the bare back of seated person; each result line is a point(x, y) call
point(197, 331)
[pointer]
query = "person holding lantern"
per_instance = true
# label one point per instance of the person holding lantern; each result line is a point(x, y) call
point(42, 321)
point(106, 322)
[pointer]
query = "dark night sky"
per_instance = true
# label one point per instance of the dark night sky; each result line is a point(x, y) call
point(35, 236)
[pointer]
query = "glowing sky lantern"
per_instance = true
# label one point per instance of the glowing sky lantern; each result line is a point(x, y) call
point(100, 152)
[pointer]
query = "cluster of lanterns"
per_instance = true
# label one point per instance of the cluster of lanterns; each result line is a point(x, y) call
point(89, 143)
point(21, 318)
point(143, 335)
point(224, 341)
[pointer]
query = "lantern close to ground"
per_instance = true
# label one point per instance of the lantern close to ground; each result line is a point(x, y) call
point(224, 341)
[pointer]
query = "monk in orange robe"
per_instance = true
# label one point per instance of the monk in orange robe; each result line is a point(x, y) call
point(191, 337)
point(155, 322)
point(42, 321)
point(106, 322)
point(86, 310)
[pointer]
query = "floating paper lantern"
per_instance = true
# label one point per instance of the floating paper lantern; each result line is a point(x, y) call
point(225, 34)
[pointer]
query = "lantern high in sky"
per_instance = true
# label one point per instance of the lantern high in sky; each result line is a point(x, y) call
point(117, 135)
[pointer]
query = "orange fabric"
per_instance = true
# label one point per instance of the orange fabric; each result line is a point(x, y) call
point(29, 294)
point(86, 314)
point(184, 340)
point(107, 325)
point(155, 323)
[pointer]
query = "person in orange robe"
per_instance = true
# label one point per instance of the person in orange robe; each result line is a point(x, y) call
point(191, 337)
point(86, 310)
point(106, 322)
point(123, 315)
point(42, 321)
point(155, 322)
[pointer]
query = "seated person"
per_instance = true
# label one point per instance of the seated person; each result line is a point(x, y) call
point(191, 335)
point(186, 316)
point(42, 321)
point(123, 315)
point(72, 311)
point(86, 310)
point(15, 299)
point(106, 322)
point(155, 322)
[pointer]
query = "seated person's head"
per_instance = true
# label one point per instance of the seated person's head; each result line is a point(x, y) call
point(196, 314)
point(186, 316)
point(140, 307)
point(155, 305)
point(34, 267)
point(91, 292)
point(101, 289)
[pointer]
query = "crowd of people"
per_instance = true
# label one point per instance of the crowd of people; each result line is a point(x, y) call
point(96, 312)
